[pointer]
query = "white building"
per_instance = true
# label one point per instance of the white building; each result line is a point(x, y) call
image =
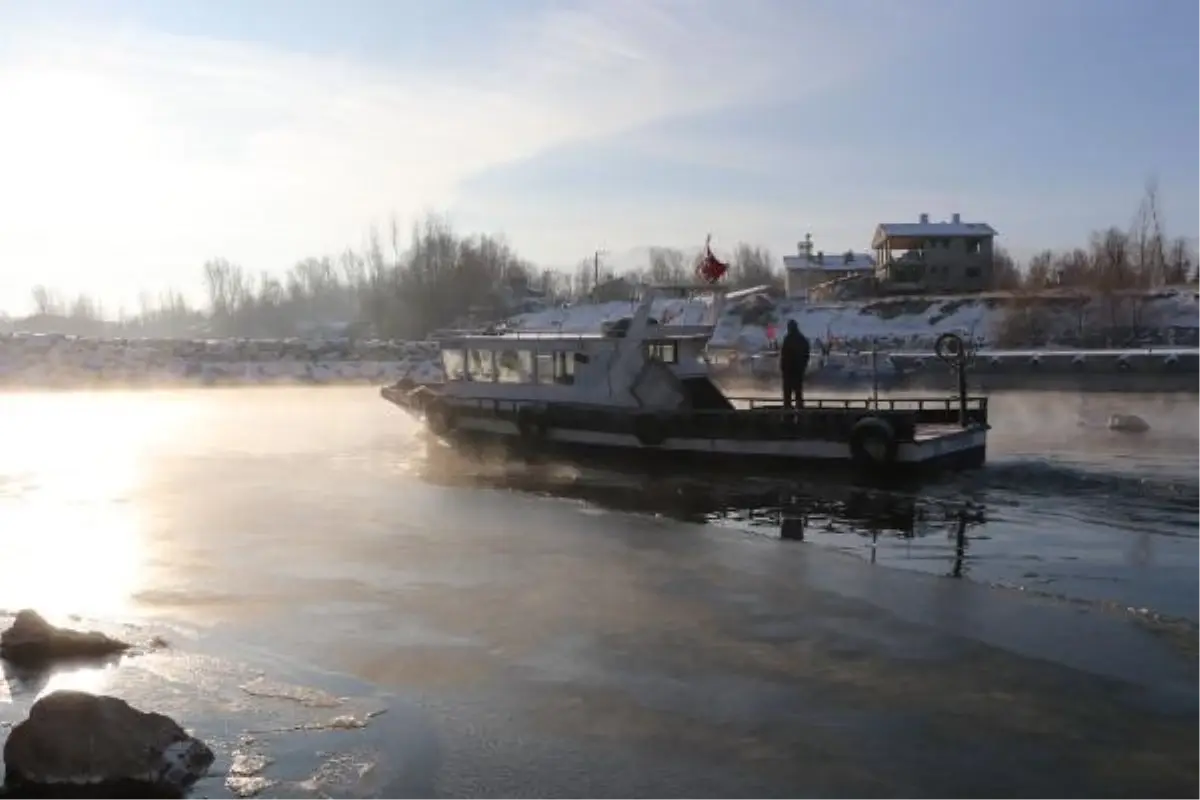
point(808, 269)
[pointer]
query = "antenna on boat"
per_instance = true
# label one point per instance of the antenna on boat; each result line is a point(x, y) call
point(875, 372)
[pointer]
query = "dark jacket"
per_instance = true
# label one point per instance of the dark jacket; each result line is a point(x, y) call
point(794, 352)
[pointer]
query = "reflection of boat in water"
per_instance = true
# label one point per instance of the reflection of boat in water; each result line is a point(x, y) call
point(643, 390)
point(777, 507)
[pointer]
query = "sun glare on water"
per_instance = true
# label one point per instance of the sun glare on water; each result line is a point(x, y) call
point(71, 465)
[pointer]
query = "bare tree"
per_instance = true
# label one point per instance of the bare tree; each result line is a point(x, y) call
point(216, 282)
point(46, 301)
point(667, 266)
point(753, 266)
point(1180, 263)
point(582, 284)
point(1005, 274)
point(1073, 268)
point(1146, 240)
point(84, 308)
point(1111, 269)
point(1040, 272)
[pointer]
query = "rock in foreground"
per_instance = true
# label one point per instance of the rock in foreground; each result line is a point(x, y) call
point(75, 744)
point(32, 641)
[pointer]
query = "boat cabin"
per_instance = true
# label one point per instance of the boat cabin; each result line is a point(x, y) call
point(552, 366)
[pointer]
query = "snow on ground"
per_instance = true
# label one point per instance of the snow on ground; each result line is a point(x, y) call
point(892, 325)
point(49, 360)
point(850, 326)
point(891, 322)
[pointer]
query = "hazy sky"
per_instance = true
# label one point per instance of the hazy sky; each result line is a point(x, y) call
point(140, 137)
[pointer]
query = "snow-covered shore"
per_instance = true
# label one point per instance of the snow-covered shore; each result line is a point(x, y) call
point(893, 325)
point(902, 323)
point(36, 361)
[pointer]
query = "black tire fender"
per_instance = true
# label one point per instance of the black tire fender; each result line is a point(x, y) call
point(873, 442)
point(648, 430)
point(531, 425)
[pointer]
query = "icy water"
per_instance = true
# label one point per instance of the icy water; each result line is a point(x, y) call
point(352, 611)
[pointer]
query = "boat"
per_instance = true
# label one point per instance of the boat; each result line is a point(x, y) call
point(642, 390)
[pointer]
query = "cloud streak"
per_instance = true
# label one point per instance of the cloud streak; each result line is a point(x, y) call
point(131, 155)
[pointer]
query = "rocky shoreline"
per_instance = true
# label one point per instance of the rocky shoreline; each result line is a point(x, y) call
point(78, 744)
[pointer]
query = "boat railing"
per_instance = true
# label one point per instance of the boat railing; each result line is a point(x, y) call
point(869, 403)
point(922, 410)
point(551, 334)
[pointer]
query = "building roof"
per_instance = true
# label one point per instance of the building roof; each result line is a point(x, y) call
point(913, 231)
point(832, 262)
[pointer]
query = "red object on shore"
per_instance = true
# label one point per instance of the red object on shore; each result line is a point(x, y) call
point(710, 269)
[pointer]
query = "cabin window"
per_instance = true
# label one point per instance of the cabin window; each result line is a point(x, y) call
point(666, 352)
point(454, 363)
point(514, 366)
point(480, 366)
point(545, 368)
point(525, 365)
point(564, 368)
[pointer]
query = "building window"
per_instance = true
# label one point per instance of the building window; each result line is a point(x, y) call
point(974, 246)
point(972, 272)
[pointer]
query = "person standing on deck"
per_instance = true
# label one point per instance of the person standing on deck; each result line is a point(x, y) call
point(793, 362)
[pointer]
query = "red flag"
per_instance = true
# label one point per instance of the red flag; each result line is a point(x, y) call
point(709, 268)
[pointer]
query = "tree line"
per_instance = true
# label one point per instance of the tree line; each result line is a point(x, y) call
point(438, 278)
point(1141, 256)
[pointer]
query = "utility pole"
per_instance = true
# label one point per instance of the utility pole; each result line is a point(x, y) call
point(596, 267)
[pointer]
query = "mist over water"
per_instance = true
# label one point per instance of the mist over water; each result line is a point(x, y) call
point(1064, 505)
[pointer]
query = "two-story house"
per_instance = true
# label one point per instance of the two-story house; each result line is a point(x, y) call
point(949, 257)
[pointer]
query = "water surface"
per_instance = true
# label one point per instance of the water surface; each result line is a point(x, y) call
point(378, 617)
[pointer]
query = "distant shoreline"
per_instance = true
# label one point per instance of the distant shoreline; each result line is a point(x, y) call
point(827, 383)
point(1060, 382)
point(942, 382)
